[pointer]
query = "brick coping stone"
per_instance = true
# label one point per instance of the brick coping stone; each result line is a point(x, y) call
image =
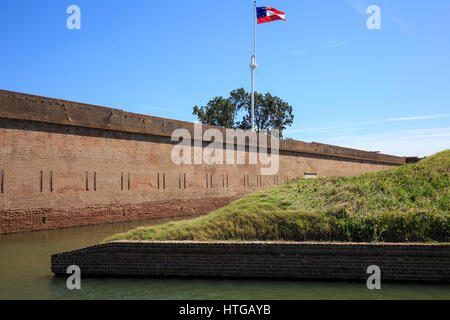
point(285, 242)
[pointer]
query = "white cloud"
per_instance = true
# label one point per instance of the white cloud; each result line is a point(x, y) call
point(356, 125)
point(326, 129)
point(344, 126)
point(419, 142)
point(336, 44)
point(433, 116)
point(215, 77)
point(297, 52)
point(359, 6)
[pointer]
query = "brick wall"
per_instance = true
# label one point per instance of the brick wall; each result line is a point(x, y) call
point(296, 260)
point(66, 164)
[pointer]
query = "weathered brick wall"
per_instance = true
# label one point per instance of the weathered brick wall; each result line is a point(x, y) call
point(296, 260)
point(22, 106)
point(66, 164)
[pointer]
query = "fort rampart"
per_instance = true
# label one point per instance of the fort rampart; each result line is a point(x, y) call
point(65, 164)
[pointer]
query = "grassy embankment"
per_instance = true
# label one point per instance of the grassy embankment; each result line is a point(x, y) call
point(403, 204)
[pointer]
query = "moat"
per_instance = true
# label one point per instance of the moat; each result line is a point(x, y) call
point(25, 274)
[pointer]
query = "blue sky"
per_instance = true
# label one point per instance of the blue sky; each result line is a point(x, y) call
point(382, 90)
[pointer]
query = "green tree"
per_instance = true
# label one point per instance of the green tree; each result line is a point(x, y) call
point(218, 112)
point(271, 112)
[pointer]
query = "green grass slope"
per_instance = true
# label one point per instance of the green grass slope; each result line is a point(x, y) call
point(403, 204)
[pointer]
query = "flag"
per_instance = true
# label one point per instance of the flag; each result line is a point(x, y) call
point(267, 14)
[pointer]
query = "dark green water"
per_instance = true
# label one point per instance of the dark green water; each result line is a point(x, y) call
point(25, 274)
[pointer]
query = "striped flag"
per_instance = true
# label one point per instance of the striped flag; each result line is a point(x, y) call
point(267, 14)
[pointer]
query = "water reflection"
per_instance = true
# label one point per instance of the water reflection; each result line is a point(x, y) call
point(25, 274)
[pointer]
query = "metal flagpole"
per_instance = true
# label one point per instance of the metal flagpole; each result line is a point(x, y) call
point(253, 66)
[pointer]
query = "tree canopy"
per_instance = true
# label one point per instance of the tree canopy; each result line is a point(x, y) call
point(271, 112)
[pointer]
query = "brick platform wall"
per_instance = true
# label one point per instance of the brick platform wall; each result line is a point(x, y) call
point(66, 164)
point(274, 260)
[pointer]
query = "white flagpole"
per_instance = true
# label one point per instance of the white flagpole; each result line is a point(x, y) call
point(253, 66)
